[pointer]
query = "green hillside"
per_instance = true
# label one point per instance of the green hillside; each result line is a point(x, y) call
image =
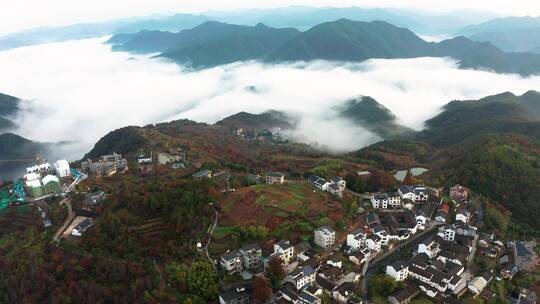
point(370, 114)
point(502, 113)
point(121, 141)
point(348, 40)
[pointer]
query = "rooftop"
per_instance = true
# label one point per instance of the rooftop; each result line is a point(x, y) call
point(274, 174)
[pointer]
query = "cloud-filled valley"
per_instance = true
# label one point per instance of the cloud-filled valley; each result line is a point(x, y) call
point(80, 90)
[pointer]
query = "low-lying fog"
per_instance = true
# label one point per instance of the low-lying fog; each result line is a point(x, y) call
point(80, 90)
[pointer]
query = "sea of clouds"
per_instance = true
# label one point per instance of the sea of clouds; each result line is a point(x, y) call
point(78, 91)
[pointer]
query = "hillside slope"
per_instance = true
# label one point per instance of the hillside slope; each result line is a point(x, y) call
point(502, 113)
point(8, 106)
point(368, 113)
point(266, 120)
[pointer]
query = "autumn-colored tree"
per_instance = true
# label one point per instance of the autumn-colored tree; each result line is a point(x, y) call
point(276, 271)
point(262, 291)
point(409, 178)
point(380, 180)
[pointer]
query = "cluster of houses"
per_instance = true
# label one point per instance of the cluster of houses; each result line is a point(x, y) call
point(308, 274)
point(381, 229)
point(336, 185)
point(106, 165)
point(438, 268)
point(259, 135)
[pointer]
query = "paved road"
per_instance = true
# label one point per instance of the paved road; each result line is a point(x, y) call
point(71, 215)
point(409, 244)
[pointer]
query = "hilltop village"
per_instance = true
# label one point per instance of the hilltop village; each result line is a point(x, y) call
point(278, 238)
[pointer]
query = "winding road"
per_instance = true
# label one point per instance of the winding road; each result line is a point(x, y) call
point(71, 215)
point(210, 233)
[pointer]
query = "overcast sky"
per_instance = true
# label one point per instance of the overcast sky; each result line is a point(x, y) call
point(24, 14)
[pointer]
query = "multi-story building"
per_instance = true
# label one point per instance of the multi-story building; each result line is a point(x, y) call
point(379, 201)
point(106, 165)
point(275, 178)
point(374, 242)
point(231, 261)
point(251, 255)
point(430, 247)
point(302, 277)
point(240, 294)
point(463, 214)
point(417, 194)
point(394, 199)
point(399, 271)
point(339, 182)
point(284, 251)
point(356, 239)
point(325, 237)
point(447, 233)
point(62, 169)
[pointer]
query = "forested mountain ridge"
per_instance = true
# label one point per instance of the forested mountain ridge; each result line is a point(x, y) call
point(211, 43)
point(501, 113)
point(215, 43)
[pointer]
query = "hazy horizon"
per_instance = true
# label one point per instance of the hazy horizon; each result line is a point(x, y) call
point(32, 14)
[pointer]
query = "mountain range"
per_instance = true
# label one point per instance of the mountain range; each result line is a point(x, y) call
point(214, 43)
point(300, 17)
point(511, 34)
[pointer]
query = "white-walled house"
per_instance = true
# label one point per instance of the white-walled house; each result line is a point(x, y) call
point(251, 255)
point(325, 237)
point(399, 271)
point(447, 233)
point(374, 243)
point(394, 200)
point(302, 277)
point(356, 239)
point(231, 261)
point(62, 169)
point(430, 247)
point(339, 182)
point(417, 194)
point(285, 251)
point(379, 201)
point(463, 214)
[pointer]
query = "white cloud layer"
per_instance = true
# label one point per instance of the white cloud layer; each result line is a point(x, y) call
point(80, 90)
